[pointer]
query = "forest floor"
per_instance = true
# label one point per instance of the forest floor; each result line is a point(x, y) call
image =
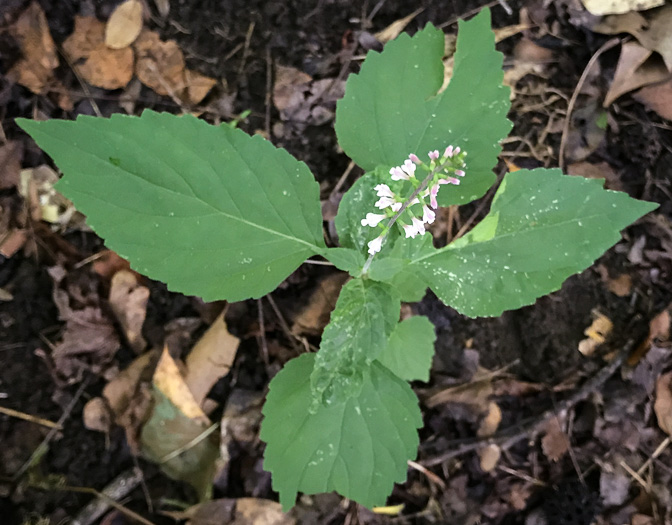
point(556, 413)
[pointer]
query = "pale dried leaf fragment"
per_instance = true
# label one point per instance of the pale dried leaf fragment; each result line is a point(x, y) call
point(124, 25)
point(490, 423)
point(636, 68)
point(489, 457)
point(663, 404)
point(39, 57)
point(395, 28)
point(128, 300)
point(597, 333)
point(210, 359)
point(96, 415)
point(555, 442)
point(612, 7)
point(95, 62)
point(197, 86)
point(11, 155)
point(312, 319)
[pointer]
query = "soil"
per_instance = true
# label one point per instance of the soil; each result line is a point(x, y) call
point(238, 41)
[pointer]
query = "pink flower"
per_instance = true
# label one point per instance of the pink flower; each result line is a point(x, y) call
point(384, 202)
point(375, 245)
point(373, 219)
point(415, 158)
point(409, 168)
point(456, 151)
point(383, 190)
point(428, 215)
point(434, 154)
point(449, 152)
point(459, 173)
point(433, 192)
point(450, 180)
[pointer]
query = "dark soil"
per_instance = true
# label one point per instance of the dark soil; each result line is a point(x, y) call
point(239, 41)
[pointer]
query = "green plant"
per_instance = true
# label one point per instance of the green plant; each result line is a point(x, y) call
point(216, 213)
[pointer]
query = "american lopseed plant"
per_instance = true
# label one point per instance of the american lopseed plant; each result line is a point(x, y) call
point(214, 212)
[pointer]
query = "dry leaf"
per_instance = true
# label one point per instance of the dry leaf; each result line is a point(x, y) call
point(242, 511)
point(395, 28)
point(128, 300)
point(35, 69)
point(210, 359)
point(597, 333)
point(659, 327)
point(285, 87)
point(120, 392)
point(491, 421)
point(612, 7)
point(657, 97)
point(197, 86)
point(636, 68)
point(489, 457)
point(663, 404)
point(107, 263)
point(621, 285)
point(160, 65)
point(96, 415)
point(315, 315)
point(98, 64)
point(626, 23)
point(124, 25)
point(601, 170)
point(11, 155)
point(12, 242)
point(555, 442)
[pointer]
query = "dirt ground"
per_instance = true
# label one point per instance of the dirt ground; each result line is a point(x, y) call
point(572, 451)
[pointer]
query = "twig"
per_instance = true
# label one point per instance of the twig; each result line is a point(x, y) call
point(262, 332)
point(570, 107)
point(190, 444)
point(118, 488)
point(508, 437)
point(27, 417)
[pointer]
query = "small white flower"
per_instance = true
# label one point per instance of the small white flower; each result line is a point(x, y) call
point(434, 154)
point(409, 230)
point(384, 202)
point(414, 158)
point(459, 173)
point(450, 180)
point(449, 152)
point(375, 245)
point(419, 225)
point(383, 190)
point(398, 174)
point(428, 215)
point(396, 207)
point(433, 192)
point(373, 219)
point(409, 168)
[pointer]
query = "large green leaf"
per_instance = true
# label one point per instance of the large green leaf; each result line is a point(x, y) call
point(358, 447)
point(391, 108)
point(207, 209)
point(543, 227)
point(409, 351)
point(365, 315)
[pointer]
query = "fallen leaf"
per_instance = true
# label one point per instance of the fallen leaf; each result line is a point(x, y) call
point(601, 170)
point(597, 333)
point(610, 7)
point(663, 404)
point(107, 263)
point(659, 327)
point(178, 435)
point(614, 486)
point(315, 315)
point(11, 155)
point(242, 511)
point(636, 68)
point(287, 80)
point(555, 442)
point(528, 58)
point(95, 62)
point(124, 25)
point(625, 23)
point(12, 242)
point(657, 97)
point(489, 457)
point(128, 300)
point(160, 65)
point(197, 86)
point(96, 415)
point(36, 67)
point(210, 359)
point(395, 28)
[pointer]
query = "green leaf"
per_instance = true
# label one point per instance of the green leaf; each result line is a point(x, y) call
point(410, 349)
point(207, 209)
point(365, 315)
point(543, 226)
point(391, 108)
point(346, 259)
point(358, 448)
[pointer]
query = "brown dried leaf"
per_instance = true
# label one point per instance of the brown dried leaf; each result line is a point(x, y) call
point(108, 263)
point(597, 333)
point(124, 25)
point(490, 423)
point(128, 300)
point(98, 64)
point(663, 404)
point(160, 65)
point(315, 315)
point(35, 69)
point(285, 87)
point(197, 86)
point(555, 442)
point(11, 155)
point(242, 511)
point(657, 97)
point(610, 7)
point(659, 327)
point(621, 285)
point(636, 68)
point(601, 170)
point(96, 415)
point(121, 391)
point(210, 359)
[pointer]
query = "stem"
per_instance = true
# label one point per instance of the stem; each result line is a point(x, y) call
point(405, 205)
